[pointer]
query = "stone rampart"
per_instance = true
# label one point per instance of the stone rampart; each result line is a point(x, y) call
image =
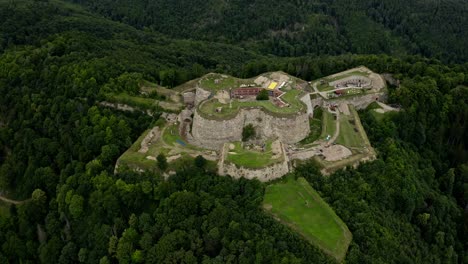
point(269, 173)
point(213, 134)
point(355, 79)
point(359, 102)
point(272, 172)
point(201, 95)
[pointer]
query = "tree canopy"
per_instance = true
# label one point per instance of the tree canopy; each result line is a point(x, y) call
point(59, 145)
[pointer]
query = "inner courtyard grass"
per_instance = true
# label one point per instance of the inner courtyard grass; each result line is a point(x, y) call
point(349, 134)
point(249, 158)
point(222, 83)
point(208, 108)
point(328, 125)
point(296, 204)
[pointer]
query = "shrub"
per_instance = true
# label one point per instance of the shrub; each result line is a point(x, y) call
point(248, 132)
point(262, 95)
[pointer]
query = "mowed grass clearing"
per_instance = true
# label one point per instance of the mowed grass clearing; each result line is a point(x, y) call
point(349, 134)
point(251, 159)
point(208, 108)
point(296, 204)
point(328, 124)
point(217, 82)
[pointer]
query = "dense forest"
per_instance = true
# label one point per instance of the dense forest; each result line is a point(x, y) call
point(296, 28)
point(58, 147)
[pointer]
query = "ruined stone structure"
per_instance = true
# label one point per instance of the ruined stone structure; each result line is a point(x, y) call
point(359, 102)
point(213, 134)
point(201, 95)
point(269, 173)
point(272, 172)
point(355, 80)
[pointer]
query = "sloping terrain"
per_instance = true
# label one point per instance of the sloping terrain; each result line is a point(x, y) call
point(293, 28)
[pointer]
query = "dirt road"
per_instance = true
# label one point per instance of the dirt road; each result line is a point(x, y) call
point(9, 201)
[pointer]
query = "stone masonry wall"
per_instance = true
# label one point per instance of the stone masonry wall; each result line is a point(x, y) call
point(272, 172)
point(201, 95)
point(359, 102)
point(214, 133)
point(269, 173)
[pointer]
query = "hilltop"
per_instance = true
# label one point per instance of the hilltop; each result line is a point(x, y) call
point(299, 120)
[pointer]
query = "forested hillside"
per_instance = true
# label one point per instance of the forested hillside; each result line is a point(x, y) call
point(58, 147)
point(295, 28)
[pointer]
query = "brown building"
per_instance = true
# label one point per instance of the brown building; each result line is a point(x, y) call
point(340, 92)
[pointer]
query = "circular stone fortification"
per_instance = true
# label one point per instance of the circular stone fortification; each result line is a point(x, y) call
point(214, 133)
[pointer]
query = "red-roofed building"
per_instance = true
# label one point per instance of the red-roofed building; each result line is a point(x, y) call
point(340, 92)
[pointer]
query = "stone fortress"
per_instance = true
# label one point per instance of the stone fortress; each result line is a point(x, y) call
point(203, 130)
point(220, 107)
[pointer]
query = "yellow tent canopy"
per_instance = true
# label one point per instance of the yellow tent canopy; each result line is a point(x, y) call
point(272, 85)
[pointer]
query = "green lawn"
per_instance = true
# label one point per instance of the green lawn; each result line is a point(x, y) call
point(223, 83)
point(299, 206)
point(328, 125)
point(349, 134)
point(133, 158)
point(251, 159)
point(208, 108)
point(324, 87)
point(171, 135)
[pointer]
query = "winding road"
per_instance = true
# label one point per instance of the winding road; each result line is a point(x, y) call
point(9, 201)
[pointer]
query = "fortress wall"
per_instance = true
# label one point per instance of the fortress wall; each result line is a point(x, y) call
point(201, 95)
point(288, 129)
point(269, 173)
point(359, 102)
point(364, 80)
point(272, 172)
point(214, 133)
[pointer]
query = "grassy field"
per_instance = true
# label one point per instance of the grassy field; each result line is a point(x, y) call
point(357, 141)
point(299, 206)
point(133, 158)
point(349, 134)
point(223, 83)
point(251, 159)
point(168, 144)
point(171, 135)
point(208, 108)
point(362, 132)
point(328, 125)
point(150, 87)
